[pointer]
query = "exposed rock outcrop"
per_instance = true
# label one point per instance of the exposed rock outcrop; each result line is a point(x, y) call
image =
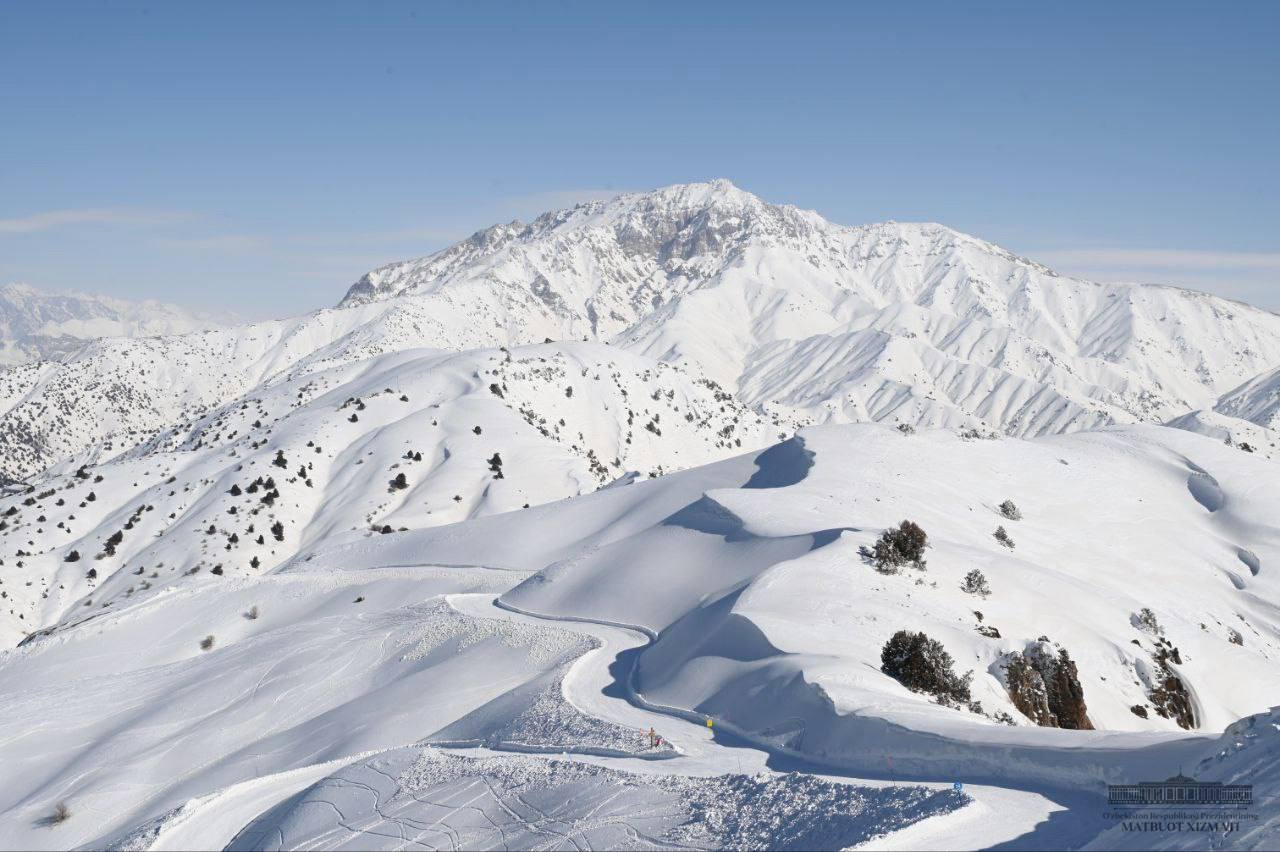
point(1044, 685)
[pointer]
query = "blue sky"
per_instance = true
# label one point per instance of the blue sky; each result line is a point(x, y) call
point(261, 156)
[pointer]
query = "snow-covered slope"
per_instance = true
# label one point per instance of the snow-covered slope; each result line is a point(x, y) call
point(1257, 400)
point(404, 440)
point(749, 573)
point(39, 326)
point(237, 705)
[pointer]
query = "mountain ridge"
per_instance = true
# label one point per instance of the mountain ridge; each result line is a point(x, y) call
point(915, 323)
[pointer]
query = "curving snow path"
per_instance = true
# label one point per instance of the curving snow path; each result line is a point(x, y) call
point(996, 816)
point(595, 687)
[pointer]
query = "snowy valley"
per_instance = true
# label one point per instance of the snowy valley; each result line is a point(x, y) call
point(427, 566)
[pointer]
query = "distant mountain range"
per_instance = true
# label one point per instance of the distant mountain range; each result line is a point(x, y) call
point(40, 326)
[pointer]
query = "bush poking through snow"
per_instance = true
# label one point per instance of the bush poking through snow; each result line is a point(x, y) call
point(252, 614)
point(921, 664)
point(1146, 621)
point(206, 643)
point(399, 483)
point(61, 813)
point(975, 583)
point(897, 547)
point(1010, 510)
point(1003, 537)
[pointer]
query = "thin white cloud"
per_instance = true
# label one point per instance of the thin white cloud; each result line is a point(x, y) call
point(218, 242)
point(1162, 258)
point(94, 216)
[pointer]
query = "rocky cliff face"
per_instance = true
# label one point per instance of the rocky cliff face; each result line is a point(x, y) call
point(1044, 685)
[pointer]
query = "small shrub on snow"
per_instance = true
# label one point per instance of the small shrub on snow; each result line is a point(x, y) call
point(897, 547)
point(1010, 510)
point(1146, 621)
point(975, 583)
point(1003, 537)
point(252, 614)
point(61, 813)
point(921, 664)
point(206, 643)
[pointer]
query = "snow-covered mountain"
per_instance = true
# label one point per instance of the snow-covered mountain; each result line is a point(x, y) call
point(910, 322)
point(253, 569)
point(802, 320)
point(40, 326)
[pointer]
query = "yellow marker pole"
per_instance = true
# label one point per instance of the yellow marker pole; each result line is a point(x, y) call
point(708, 723)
